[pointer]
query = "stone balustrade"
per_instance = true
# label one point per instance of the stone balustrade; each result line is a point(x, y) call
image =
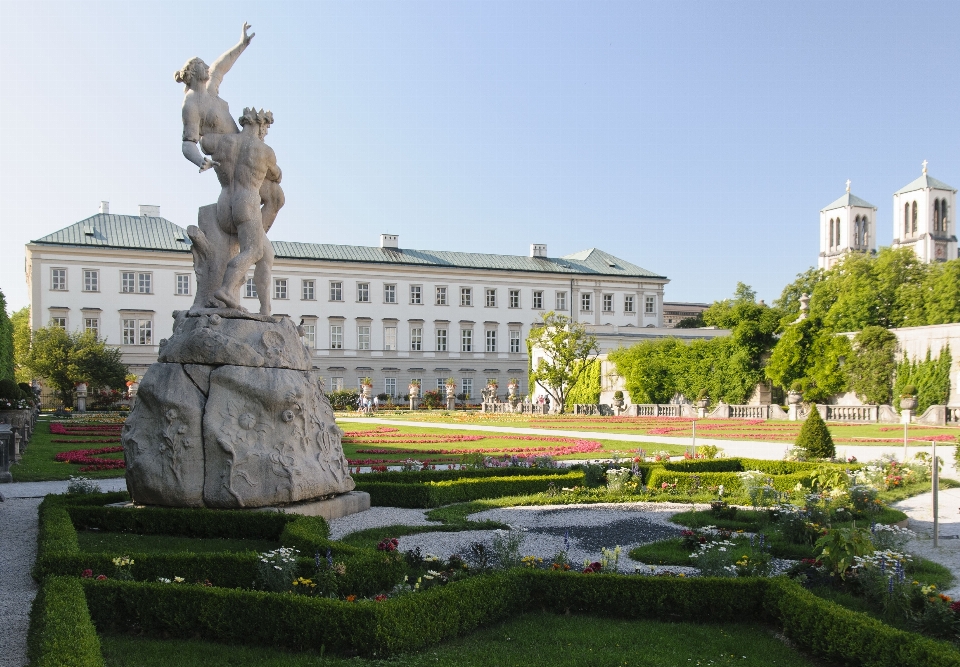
point(849, 413)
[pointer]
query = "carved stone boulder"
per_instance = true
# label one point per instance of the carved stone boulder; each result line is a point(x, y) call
point(232, 416)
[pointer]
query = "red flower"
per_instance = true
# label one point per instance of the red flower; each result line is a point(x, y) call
point(380, 598)
point(101, 577)
point(87, 574)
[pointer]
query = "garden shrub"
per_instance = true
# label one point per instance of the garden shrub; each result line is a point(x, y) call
point(815, 437)
point(445, 492)
point(61, 633)
point(688, 482)
point(344, 399)
point(184, 522)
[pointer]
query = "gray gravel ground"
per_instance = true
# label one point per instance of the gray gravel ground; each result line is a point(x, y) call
point(18, 532)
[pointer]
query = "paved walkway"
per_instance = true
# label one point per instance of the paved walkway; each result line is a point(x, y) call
point(18, 515)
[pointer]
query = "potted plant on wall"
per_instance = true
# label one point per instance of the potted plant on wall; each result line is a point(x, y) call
point(618, 399)
point(908, 398)
point(703, 399)
point(451, 387)
point(795, 394)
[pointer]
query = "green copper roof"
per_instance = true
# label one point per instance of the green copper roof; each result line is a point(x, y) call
point(848, 200)
point(924, 182)
point(142, 233)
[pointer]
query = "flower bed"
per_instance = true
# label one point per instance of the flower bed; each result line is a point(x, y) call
point(90, 459)
point(61, 630)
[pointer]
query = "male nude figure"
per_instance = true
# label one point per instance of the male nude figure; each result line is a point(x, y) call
point(245, 163)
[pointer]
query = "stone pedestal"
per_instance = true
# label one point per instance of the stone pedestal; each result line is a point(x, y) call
point(232, 415)
point(82, 397)
point(906, 416)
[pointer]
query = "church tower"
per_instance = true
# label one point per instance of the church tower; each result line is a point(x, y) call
point(846, 225)
point(923, 218)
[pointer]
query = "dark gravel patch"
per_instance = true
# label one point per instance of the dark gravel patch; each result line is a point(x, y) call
point(625, 531)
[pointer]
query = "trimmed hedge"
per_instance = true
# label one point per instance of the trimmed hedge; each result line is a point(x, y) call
point(742, 464)
point(838, 634)
point(421, 476)
point(236, 524)
point(61, 633)
point(445, 492)
point(730, 480)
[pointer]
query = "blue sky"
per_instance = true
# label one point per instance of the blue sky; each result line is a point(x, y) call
point(695, 139)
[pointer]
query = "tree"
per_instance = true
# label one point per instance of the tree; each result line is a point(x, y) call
point(21, 344)
point(66, 359)
point(586, 390)
point(564, 353)
point(6, 342)
point(871, 367)
point(815, 437)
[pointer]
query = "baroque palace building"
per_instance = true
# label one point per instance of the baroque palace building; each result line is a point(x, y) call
point(391, 313)
point(922, 220)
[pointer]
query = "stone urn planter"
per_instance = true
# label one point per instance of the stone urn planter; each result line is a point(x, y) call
point(794, 397)
point(512, 390)
point(908, 402)
point(414, 391)
point(451, 394)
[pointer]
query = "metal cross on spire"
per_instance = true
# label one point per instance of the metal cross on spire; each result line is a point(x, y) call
point(924, 166)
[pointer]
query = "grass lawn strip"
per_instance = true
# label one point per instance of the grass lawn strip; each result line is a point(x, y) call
point(531, 639)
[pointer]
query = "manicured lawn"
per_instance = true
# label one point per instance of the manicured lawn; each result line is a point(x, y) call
point(38, 465)
point(530, 640)
point(725, 429)
point(95, 541)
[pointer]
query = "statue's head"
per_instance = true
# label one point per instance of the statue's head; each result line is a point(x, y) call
point(194, 70)
point(261, 119)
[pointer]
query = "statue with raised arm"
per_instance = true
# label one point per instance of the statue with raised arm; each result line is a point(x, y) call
point(244, 162)
point(206, 114)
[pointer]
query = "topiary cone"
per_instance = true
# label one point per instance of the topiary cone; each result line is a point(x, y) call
point(815, 437)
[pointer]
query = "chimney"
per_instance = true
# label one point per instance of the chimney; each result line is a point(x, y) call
point(104, 207)
point(538, 249)
point(149, 211)
point(389, 241)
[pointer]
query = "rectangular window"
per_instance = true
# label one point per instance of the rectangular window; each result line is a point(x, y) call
point(279, 288)
point(336, 290)
point(608, 303)
point(390, 338)
point(561, 301)
point(92, 325)
point(250, 289)
point(336, 336)
point(91, 281)
point(586, 301)
point(416, 295)
point(490, 298)
point(441, 385)
point(441, 296)
point(58, 279)
point(390, 386)
point(183, 284)
point(145, 332)
point(514, 298)
point(363, 337)
point(128, 282)
point(466, 387)
point(145, 283)
point(514, 342)
point(416, 339)
point(650, 305)
point(466, 340)
point(336, 384)
point(59, 322)
point(389, 293)
point(137, 332)
point(308, 290)
point(441, 340)
point(466, 296)
point(363, 292)
point(491, 340)
point(310, 335)
point(628, 304)
point(538, 300)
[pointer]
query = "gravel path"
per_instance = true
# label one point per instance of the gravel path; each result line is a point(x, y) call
point(18, 532)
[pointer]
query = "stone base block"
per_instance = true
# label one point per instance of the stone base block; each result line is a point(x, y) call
point(329, 508)
point(336, 507)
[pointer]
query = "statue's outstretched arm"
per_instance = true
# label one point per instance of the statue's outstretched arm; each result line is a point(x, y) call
point(222, 65)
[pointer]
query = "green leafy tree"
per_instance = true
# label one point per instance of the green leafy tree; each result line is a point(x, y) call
point(942, 294)
point(791, 356)
point(565, 353)
point(931, 377)
point(21, 343)
point(872, 365)
point(6, 341)
point(815, 437)
point(586, 390)
point(692, 322)
point(68, 358)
